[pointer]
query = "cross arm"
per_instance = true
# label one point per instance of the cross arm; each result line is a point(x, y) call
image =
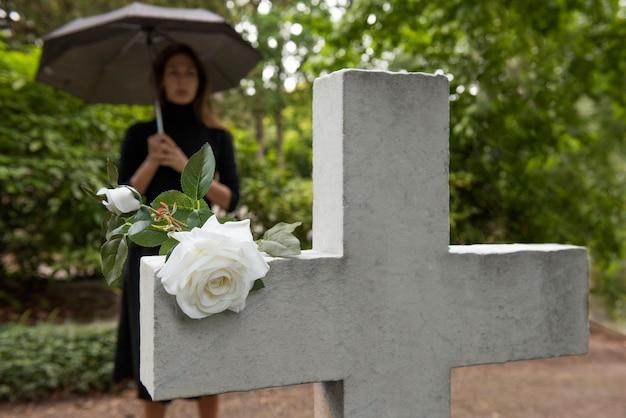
point(515, 302)
point(287, 334)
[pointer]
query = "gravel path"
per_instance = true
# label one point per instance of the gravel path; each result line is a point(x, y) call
point(589, 386)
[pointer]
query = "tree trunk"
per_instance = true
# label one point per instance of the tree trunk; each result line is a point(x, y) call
point(278, 116)
point(260, 134)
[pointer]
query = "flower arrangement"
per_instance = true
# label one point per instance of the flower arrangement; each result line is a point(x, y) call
point(210, 266)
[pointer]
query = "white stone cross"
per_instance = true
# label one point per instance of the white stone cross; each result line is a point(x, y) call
point(382, 307)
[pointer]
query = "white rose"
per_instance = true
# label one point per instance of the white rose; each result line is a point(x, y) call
point(213, 268)
point(120, 200)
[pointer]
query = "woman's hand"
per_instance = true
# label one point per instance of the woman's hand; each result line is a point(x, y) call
point(156, 147)
point(163, 150)
point(171, 155)
point(144, 174)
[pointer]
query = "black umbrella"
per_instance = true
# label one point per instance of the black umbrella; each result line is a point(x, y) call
point(107, 58)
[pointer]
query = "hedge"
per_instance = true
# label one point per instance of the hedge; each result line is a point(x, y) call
point(37, 361)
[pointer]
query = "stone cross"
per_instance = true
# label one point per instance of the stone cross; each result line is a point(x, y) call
point(382, 307)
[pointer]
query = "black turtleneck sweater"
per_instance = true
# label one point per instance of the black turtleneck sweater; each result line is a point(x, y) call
point(189, 133)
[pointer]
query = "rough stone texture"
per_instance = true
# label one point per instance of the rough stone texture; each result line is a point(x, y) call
point(382, 302)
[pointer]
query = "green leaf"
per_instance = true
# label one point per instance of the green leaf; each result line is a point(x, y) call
point(140, 222)
point(258, 284)
point(112, 225)
point(104, 228)
point(279, 241)
point(142, 214)
point(113, 255)
point(198, 217)
point(149, 237)
point(120, 230)
point(89, 191)
point(167, 256)
point(138, 227)
point(173, 196)
point(184, 204)
point(198, 173)
point(167, 246)
point(112, 172)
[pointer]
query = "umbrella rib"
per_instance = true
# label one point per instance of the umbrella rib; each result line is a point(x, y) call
point(130, 42)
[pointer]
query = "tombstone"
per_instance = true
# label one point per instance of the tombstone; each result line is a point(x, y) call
point(382, 307)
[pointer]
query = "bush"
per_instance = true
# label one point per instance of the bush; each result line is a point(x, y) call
point(36, 361)
point(270, 195)
point(50, 144)
point(276, 197)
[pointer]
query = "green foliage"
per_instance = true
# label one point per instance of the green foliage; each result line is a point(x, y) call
point(171, 210)
point(537, 135)
point(198, 173)
point(36, 361)
point(278, 241)
point(50, 145)
point(538, 114)
point(257, 285)
point(273, 195)
point(269, 194)
point(113, 257)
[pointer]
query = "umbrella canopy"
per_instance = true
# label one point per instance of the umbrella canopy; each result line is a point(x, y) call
point(107, 58)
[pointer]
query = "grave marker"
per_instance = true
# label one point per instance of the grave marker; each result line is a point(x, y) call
point(382, 307)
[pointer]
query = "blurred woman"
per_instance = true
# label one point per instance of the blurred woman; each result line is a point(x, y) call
point(152, 163)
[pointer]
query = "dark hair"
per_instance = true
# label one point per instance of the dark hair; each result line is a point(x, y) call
point(201, 102)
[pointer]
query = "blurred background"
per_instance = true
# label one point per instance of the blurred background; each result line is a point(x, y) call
point(537, 142)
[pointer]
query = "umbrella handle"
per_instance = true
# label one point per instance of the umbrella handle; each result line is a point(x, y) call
point(157, 104)
point(159, 117)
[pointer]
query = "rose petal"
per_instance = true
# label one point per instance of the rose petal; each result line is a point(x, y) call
point(210, 224)
point(110, 207)
point(190, 309)
point(124, 199)
point(257, 266)
point(238, 231)
point(203, 256)
point(178, 266)
point(180, 236)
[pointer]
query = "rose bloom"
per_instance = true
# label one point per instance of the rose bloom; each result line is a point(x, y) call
point(120, 200)
point(213, 268)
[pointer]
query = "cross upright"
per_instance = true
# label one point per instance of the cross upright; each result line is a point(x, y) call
point(382, 307)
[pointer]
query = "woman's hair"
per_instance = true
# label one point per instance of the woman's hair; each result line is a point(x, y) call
point(202, 102)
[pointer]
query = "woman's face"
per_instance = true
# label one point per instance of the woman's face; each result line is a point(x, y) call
point(180, 79)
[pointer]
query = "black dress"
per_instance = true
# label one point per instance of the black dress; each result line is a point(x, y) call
point(189, 133)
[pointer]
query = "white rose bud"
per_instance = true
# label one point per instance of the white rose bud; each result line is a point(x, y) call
point(122, 199)
point(213, 268)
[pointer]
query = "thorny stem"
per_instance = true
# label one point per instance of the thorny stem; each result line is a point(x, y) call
point(164, 213)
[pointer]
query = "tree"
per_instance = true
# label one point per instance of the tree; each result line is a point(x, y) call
point(537, 141)
point(538, 114)
point(287, 34)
